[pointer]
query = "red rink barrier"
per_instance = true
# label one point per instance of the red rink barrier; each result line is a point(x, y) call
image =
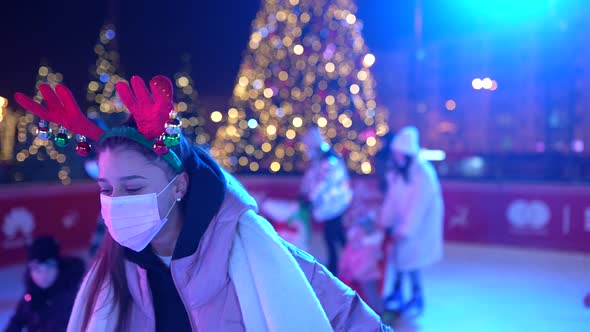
point(545, 216)
point(67, 212)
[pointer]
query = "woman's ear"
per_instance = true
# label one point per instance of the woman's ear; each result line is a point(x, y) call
point(181, 185)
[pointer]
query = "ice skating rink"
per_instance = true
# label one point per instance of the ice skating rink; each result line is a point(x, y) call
point(474, 289)
point(498, 289)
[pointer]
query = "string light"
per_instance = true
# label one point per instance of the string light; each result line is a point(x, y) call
point(476, 84)
point(451, 105)
point(8, 121)
point(306, 64)
point(485, 84)
point(369, 60)
point(216, 116)
point(3, 104)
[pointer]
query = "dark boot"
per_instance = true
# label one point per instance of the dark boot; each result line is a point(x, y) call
point(395, 301)
point(415, 306)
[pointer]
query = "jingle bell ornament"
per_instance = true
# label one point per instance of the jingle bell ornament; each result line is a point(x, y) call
point(83, 148)
point(43, 131)
point(62, 139)
point(171, 140)
point(173, 126)
point(160, 147)
point(171, 135)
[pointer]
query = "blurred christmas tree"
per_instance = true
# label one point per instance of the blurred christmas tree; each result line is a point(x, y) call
point(34, 153)
point(186, 103)
point(307, 64)
point(8, 120)
point(101, 94)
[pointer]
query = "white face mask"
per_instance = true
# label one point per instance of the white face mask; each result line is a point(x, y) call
point(133, 221)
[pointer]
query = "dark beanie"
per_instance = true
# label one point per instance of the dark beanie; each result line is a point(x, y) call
point(44, 248)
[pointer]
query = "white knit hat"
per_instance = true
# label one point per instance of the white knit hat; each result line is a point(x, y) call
point(407, 141)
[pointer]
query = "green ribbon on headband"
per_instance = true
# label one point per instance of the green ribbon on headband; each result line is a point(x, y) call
point(131, 133)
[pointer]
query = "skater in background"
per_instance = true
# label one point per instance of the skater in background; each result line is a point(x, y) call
point(51, 283)
point(361, 257)
point(383, 161)
point(413, 212)
point(326, 187)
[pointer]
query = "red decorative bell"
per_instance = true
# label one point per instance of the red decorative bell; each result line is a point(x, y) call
point(160, 147)
point(83, 148)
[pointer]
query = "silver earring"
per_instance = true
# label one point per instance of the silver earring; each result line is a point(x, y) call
point(178, 199)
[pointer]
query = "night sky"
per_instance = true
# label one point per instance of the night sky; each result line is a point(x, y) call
point(152, 36)
point(154, 33)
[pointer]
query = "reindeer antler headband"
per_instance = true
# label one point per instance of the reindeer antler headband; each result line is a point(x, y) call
point(152, 112)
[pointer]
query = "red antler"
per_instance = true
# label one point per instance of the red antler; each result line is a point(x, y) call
point(150, 111)
point(62, 109)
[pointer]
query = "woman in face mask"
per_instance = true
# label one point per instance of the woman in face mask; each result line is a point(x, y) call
point(185, 249)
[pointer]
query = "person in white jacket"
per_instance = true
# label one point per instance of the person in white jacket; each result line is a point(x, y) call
point(326, 188)
point(413, 212)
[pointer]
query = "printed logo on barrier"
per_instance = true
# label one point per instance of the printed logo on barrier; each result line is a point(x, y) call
point(18, 221)
point(528, 216)
point(71, 219)
point(460, 218)
point(287, 220)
